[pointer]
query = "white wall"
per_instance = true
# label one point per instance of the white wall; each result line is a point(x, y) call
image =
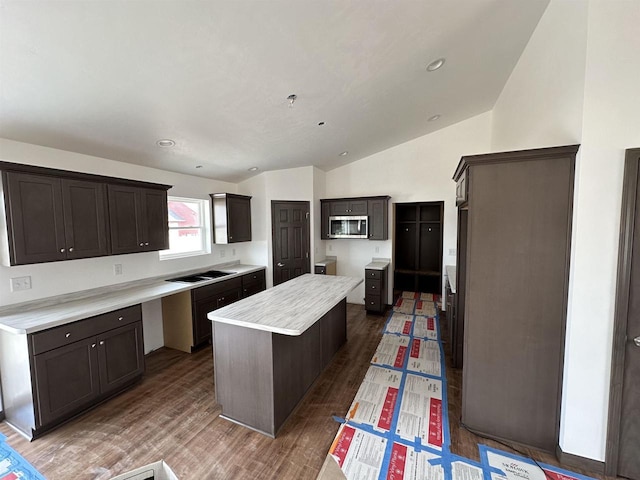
point(420, 170)
point(576, 82)
point(294, 184)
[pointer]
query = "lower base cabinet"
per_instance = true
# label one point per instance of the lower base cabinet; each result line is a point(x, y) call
point(375, 289)
point(76, 366)
point(184, 315)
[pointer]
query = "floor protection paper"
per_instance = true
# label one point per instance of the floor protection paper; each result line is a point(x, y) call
point(397, 425)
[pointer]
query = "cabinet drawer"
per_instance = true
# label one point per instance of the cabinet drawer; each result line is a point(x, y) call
point(72, 332)
point(373, 287)
point(373, 303)
point(319, 270)
point(251, 279)
point(375, 274)
point(216, 288)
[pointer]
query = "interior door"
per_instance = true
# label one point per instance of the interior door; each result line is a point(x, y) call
point(624, 421)
point(291, 240)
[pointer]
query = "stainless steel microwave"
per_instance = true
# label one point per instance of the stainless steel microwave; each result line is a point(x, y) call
point(348, 227)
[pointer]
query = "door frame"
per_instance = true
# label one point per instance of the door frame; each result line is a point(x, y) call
point(625, 250)
point(305, 203)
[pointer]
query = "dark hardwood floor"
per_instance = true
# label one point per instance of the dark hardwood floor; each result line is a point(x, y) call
point(172, 415)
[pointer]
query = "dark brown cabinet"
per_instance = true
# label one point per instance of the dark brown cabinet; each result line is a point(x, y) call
point(320, 270)
point(184, 315)
point(51, 218)
point(253, 283)
point(375, 208)
point(80, 364)
point(512, 281)
point(349, 207)
point(138, 219)
point(418, 247)
point(55, 215)
point(231, 218)
point(375, 290)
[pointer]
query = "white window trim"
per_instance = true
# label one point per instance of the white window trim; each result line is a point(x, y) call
point(205, 229)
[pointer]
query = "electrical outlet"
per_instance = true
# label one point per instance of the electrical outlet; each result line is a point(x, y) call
point(222, 253)
point(330, 248)
point(233, 252)
point(20, 283)
point(452, 252)
point(377, 249)
point(117, 269)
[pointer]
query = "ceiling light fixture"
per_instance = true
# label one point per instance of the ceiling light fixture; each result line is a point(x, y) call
point(165, 143)
point(253, 169)
point(435, 65)
point(344, 154)
point(198, 166)
point(321, 124)
point(433, 118)
point(292, 98)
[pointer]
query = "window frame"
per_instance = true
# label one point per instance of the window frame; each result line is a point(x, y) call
point(204, 228)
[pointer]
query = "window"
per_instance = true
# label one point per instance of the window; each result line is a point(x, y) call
point(188, 228)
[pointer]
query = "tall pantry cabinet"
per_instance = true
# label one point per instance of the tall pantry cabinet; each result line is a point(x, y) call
point(514, 259)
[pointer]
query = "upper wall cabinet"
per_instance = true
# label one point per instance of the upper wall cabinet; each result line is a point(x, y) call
point(375, 208)
point(57, 215)
point(51, 218)
point(231, 218)
point(138, 218)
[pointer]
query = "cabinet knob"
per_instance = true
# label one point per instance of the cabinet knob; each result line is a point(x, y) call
point(372, 303)
point(67, 335)
point(146, 244)
point(230, 237)
point(120, 318)
point(62, 250)
point(101, 342)
point(71, 249)
point(373, 287)
point(93, 345)
point(141, 244)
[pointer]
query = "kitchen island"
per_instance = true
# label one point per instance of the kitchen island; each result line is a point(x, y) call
point(269, 348)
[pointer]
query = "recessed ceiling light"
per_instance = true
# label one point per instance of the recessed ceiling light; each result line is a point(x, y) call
point(434, 118)
point(165, 142)
point(344, 154)
point(291, 99)
point(198, 166)
point(253, 169)
point(435, 65)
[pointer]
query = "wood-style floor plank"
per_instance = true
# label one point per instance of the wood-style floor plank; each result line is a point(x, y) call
point(172, 415)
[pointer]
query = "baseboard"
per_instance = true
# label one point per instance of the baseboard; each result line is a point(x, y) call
point(576, 461)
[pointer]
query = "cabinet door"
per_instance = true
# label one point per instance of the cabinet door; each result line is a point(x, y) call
point(339, 207)
point(120, 356)
point(228, 297)
point(85, 218)
point(239, 218)
point(155, 225)
point(66, 379)
point(201, 324)
point(377, 211)
point(35, 218)
point(325, 209)
point(358, 207)
point(125, 211)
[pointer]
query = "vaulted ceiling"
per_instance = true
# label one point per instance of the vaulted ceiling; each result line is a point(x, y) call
point(111, 78)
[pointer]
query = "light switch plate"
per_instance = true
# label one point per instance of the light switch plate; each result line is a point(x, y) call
point(452, 252)
point(117, 269)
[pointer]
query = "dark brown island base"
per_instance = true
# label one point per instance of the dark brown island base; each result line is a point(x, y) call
point(270, 348)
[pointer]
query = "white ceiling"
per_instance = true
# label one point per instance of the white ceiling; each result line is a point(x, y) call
point(109, 78)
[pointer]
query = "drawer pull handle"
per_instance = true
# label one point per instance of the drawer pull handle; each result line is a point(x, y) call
point(120, 318)
point(67, 335)
point(101, 342)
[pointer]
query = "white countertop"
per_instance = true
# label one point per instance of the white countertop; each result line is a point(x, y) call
point(289, 308)
point(325, 262)
point(39, 315)
point(451, 274)
point(377, 264)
